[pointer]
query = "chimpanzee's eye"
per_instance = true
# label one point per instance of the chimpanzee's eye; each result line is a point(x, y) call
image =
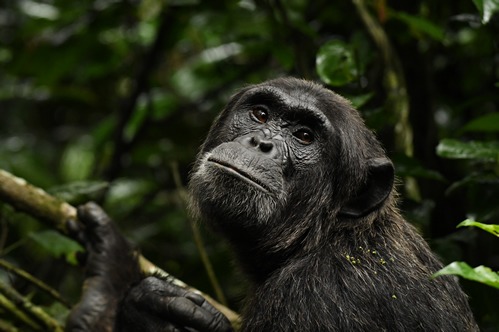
point(304, 135)
point(259, 115)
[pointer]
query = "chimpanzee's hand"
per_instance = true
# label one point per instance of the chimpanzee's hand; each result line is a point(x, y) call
point(155, 304)
point(109, 302)
point(110, 268)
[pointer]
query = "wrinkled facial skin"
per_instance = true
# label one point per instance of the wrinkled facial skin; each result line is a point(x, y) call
point(262, 143)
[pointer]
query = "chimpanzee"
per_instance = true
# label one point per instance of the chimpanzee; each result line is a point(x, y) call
point(303, 192)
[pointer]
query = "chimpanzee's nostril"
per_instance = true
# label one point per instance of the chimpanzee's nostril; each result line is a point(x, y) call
point(263, 144)
point(266, 146)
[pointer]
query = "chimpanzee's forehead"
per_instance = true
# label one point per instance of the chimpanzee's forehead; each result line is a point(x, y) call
point(305, 101)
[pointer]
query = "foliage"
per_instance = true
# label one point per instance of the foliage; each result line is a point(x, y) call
point(335, 63)
point(481, 273)
point(492, 229)
point(487, 8)
point(108, 101)
point(455, 149)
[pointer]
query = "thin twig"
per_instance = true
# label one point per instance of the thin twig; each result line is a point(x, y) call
point(198, 239)
point(140, 85)
point(34, 312)
point(10, 307)
point(31, 279)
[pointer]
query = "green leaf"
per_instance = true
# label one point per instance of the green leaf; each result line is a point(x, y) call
point(335, 63)
point(78, 160)
point(479, 6)
point(472, 179)
point(138, 118)
point(420, 24)
point(481, 273)
point(486, 123)
point(80, 192)
point(126, 194)
point(56, 244)
point(492, 229)
point(406, 166)
point(360, 100)
point(486, 8)
point(454, 149)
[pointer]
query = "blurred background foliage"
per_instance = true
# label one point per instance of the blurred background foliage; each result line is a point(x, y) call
point(109, 100)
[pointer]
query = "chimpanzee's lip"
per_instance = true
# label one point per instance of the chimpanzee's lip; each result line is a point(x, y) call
point(240, 174)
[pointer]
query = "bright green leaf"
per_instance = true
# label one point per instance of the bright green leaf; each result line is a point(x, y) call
point(486, 123)
point(335, 63)
point(490, 7)
point(56, 244)
point(454, 149)
point(481, 273)
point(492, 229)
point(78, 160)
point(39, 10)
point(486, 8)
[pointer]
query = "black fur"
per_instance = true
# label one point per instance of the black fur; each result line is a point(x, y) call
point(325, 248)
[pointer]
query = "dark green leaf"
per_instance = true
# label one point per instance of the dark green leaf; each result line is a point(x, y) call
point(138, 118)
point(359, 100)
point(481, 273)
point(474, 178)
point(406, 166)
point(486, 123)
point(80, 192)
point(335, 63)
point(421, 24)
point(56, 244)
point(479, 6)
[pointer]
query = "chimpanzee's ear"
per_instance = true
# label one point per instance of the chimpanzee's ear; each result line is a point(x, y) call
point(378, 186)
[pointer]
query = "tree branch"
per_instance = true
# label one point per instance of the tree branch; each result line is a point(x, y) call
point(29, 313)
point(55, 213)
point(396, 89)
point(140, 85)
point(198, 239)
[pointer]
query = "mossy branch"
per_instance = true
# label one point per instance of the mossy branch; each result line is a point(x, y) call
point(55, 213)
point(26, 311)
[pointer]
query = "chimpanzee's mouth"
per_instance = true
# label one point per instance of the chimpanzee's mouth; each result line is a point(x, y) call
point(240, 174)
